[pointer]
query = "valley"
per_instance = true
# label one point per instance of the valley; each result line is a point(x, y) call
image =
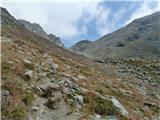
point(41, 80)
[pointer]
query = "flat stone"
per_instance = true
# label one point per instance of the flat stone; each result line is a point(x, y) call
point(35, 108)
point(28, 74)
point(97, 116)
point(81, 77)
point(79, 99)
point(123, 111)
point(47, 85)
point(27, 61)
point(38, 90)
point(111, 117)
point(5, 92)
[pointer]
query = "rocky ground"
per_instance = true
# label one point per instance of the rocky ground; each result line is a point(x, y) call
point(41, 85)
point(144, 73)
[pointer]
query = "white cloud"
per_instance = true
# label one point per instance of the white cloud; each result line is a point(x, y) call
point(56, 18)
point(145, 8)
point(99, 14)
point(60, 18)
point(102, 21)
point(108, 20)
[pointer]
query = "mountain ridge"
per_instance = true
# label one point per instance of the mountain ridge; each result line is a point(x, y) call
point(36, 28)
point(132, 40)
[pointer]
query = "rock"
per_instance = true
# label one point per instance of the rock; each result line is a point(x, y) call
point(5, 39)
point(111, 117)
point(81, 77)
point(21, 52)
point(5, 92)
point(42, 74)
point(53, 71)
point(27, 61)
point(10, 62)
point(69, 76)
point(149, 104)
point(156, 117)
point(38, 90)
point(97, 116)
point(28, 74)
point(17, 61)
point(53, 102)
point(56, 40)
point(35, 108)
point(54, 66)
point(47, 85)
point(79, 99)
point(69, 84)
point(123, 111)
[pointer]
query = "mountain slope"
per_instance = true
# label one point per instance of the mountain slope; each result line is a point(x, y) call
point(81, 46)
point(139, 38)
point(36, 28)
point(43, 81)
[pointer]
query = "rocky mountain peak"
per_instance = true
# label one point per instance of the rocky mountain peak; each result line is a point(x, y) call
point(8, 19)
point(33, 27)
point(56, 40)
point(36, 28)
point(81, 46)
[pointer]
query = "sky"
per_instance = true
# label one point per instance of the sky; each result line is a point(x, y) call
point(75, 20)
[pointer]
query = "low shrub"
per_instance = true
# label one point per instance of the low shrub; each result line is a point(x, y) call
point(29, 66)
point(28, 98)
point(18, 113)
point(105, 107)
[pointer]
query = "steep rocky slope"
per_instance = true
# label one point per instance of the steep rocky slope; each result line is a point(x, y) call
point(81, 47)
point(33, 27)
point(139, 38)
point(36, 28)
point(41, 81)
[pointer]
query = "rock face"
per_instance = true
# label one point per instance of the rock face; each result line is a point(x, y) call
point(139, 38)
point(56, 40)
point(8, 19)
point(36, 28)
point(81, 46)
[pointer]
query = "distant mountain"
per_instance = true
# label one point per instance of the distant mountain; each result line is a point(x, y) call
point(80, 47)
point(36, 28)
point(139, 38)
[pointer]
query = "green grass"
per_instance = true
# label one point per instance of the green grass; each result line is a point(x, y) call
point(105, 107)
point(28, 98)
point(100, 90)
point(18, 113)
point(5, 67)
point(29, 66)
point(100, 106)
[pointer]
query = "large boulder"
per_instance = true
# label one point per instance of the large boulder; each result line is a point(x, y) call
point(123, 111)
